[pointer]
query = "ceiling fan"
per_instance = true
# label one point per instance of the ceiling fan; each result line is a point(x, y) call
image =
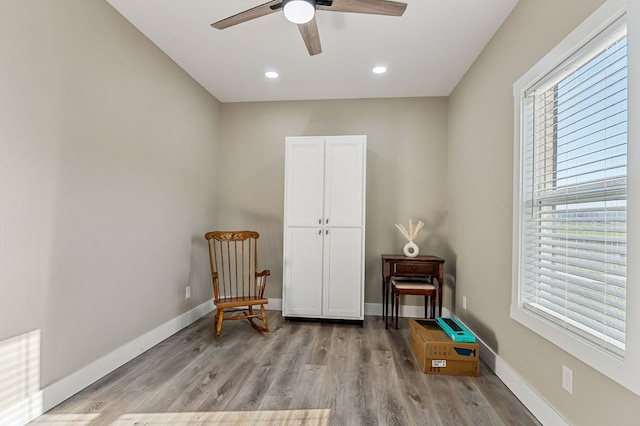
point(302, 13)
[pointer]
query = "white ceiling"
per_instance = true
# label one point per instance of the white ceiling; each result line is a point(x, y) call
point(427, 50)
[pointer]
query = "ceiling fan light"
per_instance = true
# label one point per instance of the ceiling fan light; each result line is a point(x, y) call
point(299, 11)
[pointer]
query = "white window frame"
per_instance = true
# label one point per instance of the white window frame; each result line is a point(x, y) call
point(624, 370)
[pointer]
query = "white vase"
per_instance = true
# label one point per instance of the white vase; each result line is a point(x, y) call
point(411, 249)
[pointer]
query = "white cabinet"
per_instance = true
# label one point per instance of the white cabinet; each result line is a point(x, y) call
point(344, 182)
point(304, 186)
point(303, 248)
point(342, 275)
point(325, 180)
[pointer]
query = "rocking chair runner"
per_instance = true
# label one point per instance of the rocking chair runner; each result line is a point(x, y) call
point(237, 285)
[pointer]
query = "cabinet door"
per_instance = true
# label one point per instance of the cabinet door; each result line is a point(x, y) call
point(344, 180)
point(304, 179)
point(343, 275)
point(302, 289)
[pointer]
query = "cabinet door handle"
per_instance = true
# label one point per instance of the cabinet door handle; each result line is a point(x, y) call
point(327, 232)
point(327, 221)
point(319, 231)
point(319, 221)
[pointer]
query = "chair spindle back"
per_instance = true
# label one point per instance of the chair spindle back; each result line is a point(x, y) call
point(234, 259)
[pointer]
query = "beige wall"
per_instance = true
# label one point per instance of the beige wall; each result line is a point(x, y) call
point(406, 171)
point(106, 181)
point(113, 163)
point(480, 188)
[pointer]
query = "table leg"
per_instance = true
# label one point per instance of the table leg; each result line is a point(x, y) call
point(425, 306)
point(433, 306)
point(391, 296)
point(385, 303)
point(397, 302)
point(440, 286)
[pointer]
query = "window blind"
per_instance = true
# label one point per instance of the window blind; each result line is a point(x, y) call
point(574, 213)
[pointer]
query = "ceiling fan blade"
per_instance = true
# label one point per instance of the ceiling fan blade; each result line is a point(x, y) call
point(374, 7)
point(249, 14)
point(311, 37)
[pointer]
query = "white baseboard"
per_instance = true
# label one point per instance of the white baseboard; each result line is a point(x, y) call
point(23, 412)
point(274, 304)
point(540, 408)
point(54, 394)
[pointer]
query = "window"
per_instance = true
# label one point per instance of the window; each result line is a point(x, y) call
point(574, 215)
point(570, 204)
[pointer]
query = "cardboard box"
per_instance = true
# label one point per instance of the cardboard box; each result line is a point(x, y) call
point(436, 353)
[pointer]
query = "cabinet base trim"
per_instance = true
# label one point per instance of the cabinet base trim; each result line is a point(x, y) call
point(326, 320)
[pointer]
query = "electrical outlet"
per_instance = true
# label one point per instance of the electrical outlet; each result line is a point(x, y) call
point(567, 379)
point(187, 294)
point(464, 302)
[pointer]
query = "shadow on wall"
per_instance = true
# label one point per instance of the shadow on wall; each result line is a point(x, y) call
point(484, 333)
point(199, 270)
point(253, 199)
point(449, 289)
point(435, 242)
point(382, 209)
point(270, 247)
point(431, 241)
point(269, 244)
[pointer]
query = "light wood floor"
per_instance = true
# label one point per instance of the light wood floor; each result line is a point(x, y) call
point(300, 373)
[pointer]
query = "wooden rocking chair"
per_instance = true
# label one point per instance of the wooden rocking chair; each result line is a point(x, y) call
point(237, 286)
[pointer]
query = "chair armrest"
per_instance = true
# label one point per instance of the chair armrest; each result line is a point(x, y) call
point(216, 291)
point(261, 281)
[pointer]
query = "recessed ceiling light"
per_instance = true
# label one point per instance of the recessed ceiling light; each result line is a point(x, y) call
point(379, 69)
point(271, 74)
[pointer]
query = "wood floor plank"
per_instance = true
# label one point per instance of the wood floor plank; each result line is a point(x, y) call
point(475, 405)
point(321, 344)
point(310, 382)
point(335, 387)
point(286, 374)
point(299, 373)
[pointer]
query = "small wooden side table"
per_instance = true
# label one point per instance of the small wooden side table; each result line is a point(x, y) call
point(394, 265)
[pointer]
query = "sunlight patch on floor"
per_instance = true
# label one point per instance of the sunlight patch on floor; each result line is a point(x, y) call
point(75, 419)
point(319, 417)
